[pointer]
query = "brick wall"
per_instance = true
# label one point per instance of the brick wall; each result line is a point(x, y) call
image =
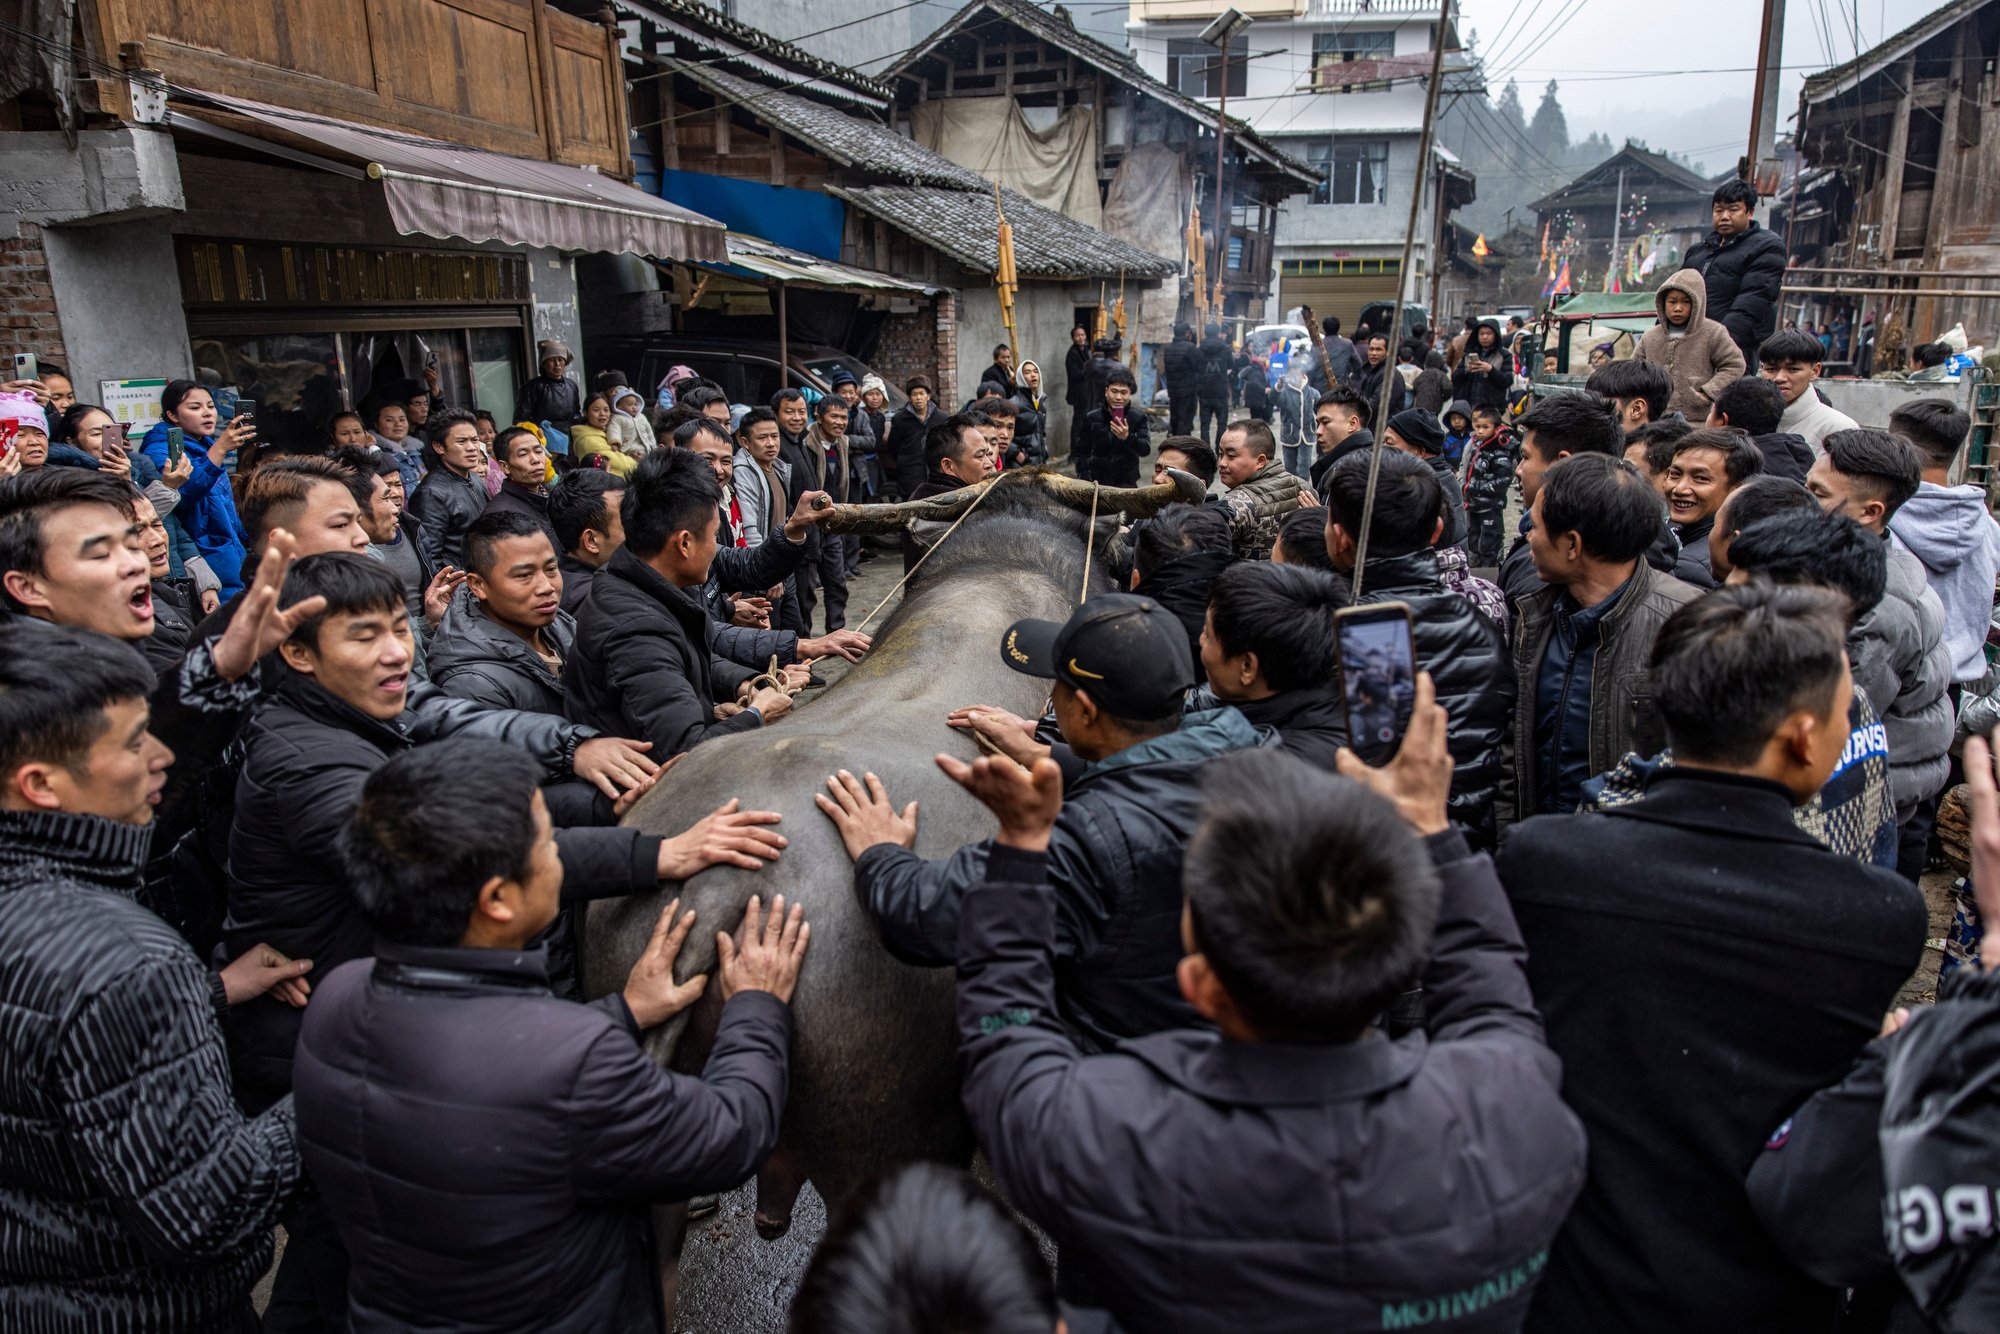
point(28, 321)
point(908, 345)
point(947, 347)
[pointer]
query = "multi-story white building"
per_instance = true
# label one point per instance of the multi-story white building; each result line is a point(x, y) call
point(1340, 84)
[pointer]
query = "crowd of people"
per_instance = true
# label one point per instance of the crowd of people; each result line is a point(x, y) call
point(1561, 1016)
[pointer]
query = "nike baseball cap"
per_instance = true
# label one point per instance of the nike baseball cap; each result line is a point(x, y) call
point(1128, 653)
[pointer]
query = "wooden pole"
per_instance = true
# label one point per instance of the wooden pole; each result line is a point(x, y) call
point(1402, 286)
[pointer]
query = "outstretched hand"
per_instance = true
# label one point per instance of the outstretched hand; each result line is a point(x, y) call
point(1027, 799)
point(725, 836)
point(1418, 780)
point(650, 990)
point(1008, 733)
point(259, 626)
point(863, 814)
point(614, 765)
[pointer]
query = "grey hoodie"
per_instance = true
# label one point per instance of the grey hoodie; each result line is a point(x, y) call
point(1949, 529)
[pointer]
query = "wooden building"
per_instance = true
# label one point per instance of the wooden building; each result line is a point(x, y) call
point(952, 90)
point(1903, 127)
point(785, 148)
point(1663, 208)
point(304, 202)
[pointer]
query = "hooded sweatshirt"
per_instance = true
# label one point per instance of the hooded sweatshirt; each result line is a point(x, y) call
point(1700, 356)
point(1456, 440)
point(1949, 529)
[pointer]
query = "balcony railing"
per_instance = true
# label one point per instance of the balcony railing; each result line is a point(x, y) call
point(1400, 8)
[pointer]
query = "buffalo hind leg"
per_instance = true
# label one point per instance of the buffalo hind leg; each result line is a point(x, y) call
point(778, 1183)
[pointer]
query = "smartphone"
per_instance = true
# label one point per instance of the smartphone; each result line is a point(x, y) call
point(1378, 676)
point(176, 444)
point(115, 434)
point(246, 410)
point(27, 366)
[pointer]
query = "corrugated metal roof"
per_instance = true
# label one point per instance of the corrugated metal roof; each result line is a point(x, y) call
point(754, 257)
point(1047, 244)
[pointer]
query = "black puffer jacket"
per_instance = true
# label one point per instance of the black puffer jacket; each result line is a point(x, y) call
point(1215, 357)
point(517, 499)
point(133, 1194)
point(1484, 389)
point(459, 1118)
point(1116, 461)
point(644, 661)
point(1475, 682)
point(446, 504)
point(1311, 724)
point(176, 609)
point(1115, 859)
point(1180, 365)
point(306, 756)
point(905, 453)
point(1785, 455)
point(540, 399)
point(473, 657)
point(1742, 275)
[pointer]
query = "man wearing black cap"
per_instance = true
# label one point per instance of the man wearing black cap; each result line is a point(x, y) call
point(1420, 434)
point(1121, 667)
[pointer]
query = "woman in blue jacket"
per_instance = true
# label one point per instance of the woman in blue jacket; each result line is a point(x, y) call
point(208, 506)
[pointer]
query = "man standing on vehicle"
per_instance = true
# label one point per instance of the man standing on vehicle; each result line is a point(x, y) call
point(1742, 265)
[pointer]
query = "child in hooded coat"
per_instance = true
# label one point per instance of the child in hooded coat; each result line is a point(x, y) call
point(629, 430)
point(1698, 353)
point(1457, 431)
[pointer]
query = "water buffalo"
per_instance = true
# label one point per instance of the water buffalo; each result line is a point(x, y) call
point(873, 1078)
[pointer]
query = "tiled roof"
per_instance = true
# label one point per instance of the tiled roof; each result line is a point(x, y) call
point(1604, 175)
point(1059, 32)
point(1845, 78)
point(851, 141)
point(712, 27)
point(1047, 244)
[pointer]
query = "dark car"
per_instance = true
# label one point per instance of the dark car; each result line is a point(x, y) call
point(746, 368)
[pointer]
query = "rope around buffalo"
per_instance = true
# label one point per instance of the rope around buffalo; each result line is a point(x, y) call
point(776, 682)
point(771, 678)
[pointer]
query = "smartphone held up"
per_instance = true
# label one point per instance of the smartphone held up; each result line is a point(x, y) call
point(1378, 676)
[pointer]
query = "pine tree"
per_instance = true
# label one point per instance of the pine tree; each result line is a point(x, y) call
point(1508, 108)
point(1549, 131)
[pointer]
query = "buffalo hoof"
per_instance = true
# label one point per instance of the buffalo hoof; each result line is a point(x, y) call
point(769, 1228)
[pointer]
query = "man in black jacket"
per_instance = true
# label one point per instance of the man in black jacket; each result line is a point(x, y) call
point(1117, 433)
point(1212, 388)
point(1291, 1170)
point(505, 638)
point(1377, 370)
point(1001, 372)
point(525, 460)
point(552, 396)
point(451, 496)
point(644, 660)
point(1180, 367)
point(1707, 465)
point(1457, 645)
point(1419, 434)
point(1121, 669)
point(450, 1037)
point(1340, 428)
point(1268, 652)
point(583, 509)
point(1755, 406)
point(1768, 964)
point(1742, 265)
point(133, 1193)
point(337, 714)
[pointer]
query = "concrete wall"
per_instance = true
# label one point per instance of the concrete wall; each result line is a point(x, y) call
point(110, 175)
point(552, 286)
point(1043, 313)
point(120, 297)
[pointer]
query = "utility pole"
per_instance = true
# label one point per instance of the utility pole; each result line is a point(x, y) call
point(1437, 249)
point(1764, 107)
point(1617, 229)
point(1227, 26)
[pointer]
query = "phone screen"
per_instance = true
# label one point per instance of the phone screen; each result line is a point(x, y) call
point(246, 410)
point(176, 444)
point(1378, 677)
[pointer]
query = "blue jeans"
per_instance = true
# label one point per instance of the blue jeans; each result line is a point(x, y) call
point(1298, 459)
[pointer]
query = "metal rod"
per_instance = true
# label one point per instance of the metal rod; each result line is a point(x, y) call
point(1978, 293)
point(784, 342)
point(1898, 273)
point(1402, 285)
point(1221, 202)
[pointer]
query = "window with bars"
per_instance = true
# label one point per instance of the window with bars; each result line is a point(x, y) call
point(1352, 171)
point(1192, 65)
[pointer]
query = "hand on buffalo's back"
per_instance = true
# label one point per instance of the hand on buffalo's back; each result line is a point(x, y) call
point(770, 952)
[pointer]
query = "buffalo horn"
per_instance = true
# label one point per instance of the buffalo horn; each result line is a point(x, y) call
point(1133, 501)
